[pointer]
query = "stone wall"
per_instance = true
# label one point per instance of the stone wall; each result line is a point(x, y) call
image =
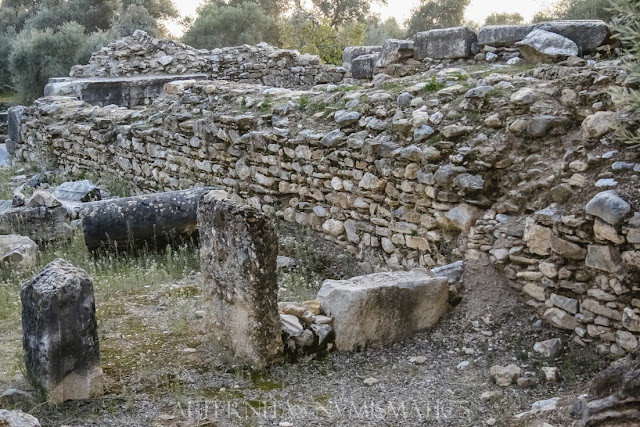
point(407, 174)
point(142, 54)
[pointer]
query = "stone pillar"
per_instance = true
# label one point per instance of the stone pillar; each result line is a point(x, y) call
point(238, 254)
point(60, 335)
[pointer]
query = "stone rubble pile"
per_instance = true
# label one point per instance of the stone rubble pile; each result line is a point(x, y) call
point(260, 64)
point(542, 42)
point(306, 331)
point(408, 172)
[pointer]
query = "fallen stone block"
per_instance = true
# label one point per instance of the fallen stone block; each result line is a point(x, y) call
point(153, 219)
point(453, 272)
point(382, 308)
point(41, 224)
point(17, 419)
point(502, 35)
point(18, 251)
point(444, 43)
point(60, 335)
point(545, 46)
point(352, 52)
point(586, 34)
point(394, 51)
point(363, 66)
point(238, 253)
point(77, 191)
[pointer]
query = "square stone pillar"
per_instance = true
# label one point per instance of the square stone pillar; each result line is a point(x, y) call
point(238, 254)
point(60, 335)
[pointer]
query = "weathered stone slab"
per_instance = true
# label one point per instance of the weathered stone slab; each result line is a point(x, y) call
point(363, 66)
point(545, 46)
point(15, 115)
point(132, 222)
point(239, 247)
point(382, 308)
point(122, 91)
point(503, 35)
point(40, 223)
point(18, 251)
point(444, 43)
point(77, 191)
point(17, 419)
point(608, 206)
point(587, 34)
point(60, 335)
point(352, 52)
point(394, 51)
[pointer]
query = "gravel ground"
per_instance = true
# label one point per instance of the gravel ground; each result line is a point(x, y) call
point(162, 368)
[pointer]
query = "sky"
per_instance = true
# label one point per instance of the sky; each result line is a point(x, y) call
point(477, 11)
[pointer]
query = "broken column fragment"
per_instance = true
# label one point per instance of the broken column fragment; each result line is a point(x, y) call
point(131, 222)
point(238, 254)
point(60, 335)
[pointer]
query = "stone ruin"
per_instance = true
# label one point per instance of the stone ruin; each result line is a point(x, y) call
point(542, 42)
point(455, 164)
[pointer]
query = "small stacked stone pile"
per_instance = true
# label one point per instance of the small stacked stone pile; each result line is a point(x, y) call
point(306, 331)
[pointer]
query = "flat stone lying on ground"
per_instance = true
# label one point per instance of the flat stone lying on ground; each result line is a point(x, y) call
point(17, 419)
point(77, 191)
point(239, 247)
point(60, 335)
point(382, 308)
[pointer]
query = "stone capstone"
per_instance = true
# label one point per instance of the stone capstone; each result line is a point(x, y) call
point(394, 51)
point(545, 46)
point(352, 52)
point(60, 336)
point(382, 308)
point(239, 247)
point(444, 43)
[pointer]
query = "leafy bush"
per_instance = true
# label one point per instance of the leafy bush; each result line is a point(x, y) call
point(304, 33)
point(38, 55)
point(629, 98)
point(437, 14)
point(504, 19)
point(377, 32)
point(222, 25)
point(579, 9)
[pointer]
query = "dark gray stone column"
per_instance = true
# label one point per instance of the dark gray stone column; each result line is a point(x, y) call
point(60, 335)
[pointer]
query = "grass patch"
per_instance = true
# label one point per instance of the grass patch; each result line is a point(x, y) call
point(432, 85)
point(9, 97)
point(266, 106)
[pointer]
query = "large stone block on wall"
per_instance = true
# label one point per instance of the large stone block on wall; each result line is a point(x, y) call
point(60, 335)
point(394, 51)
point(587, 34)
point(352, 52)
point(238, 254)
point(382, 308)
point(444, 43)
point(362, 67)
point(503, 35)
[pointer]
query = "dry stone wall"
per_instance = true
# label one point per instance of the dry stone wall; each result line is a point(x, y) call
point(414, 172)
point(142, 54)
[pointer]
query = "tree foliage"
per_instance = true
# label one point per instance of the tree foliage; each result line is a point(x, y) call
point(220, 25)
point(504, 19)
point(433, 14)
point(340, 12)
point(628, 98)
point(40, 39)
point(307, 35)
point(377, 32)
